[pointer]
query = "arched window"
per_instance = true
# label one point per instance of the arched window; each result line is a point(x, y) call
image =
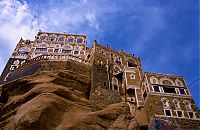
point(116, 69)
point(61, 38)
point(177, 104)
point(70, 39)
point(67, 49)
point(153, 80)
point(24, 49)
point(52, 37)
point(41, 47)
point(187, 105)
point(57, 46)
point(167, 81)
point(79, 40)
point(115, 84)
point(16, 62)
point(23, 52)
point(132, 63)
point(178, 83)
point(43, 37)
point(165, 103)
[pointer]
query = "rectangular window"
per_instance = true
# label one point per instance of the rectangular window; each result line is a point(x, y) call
point(67, 51)
point(56, 50)
point(41, 49)
point(169, 90)
point(156, 88)
point(179, 113)
point(182, 91)
point(191, 114)
point(61, 39)
point(168, 113)
point(76, 52)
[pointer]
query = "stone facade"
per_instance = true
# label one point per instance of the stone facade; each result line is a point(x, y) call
point(164, 100)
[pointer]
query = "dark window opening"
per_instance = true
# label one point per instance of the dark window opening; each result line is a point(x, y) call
point(182, 91)
point(144, 94)
point(116, 87)
point(191, 114)
point(42, 38)
point(56, 50)
point(67, 51)
point(169, 90)
point(167, 112)
point(61, 39)
point(104, 84)
point(144, 127)
point(156, 88)
point(88, 56)
point(80, 40)
point(130, 91)
point(118, 62)
point(179, 114)
point(131, 64)
point(51, 39)
point(70, 40)
point(76, 52)
point(41, 49)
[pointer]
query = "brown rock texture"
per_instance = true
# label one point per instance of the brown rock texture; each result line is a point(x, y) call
point(54, 100)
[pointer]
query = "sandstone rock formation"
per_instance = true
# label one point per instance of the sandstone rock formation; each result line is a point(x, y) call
point(55, 100)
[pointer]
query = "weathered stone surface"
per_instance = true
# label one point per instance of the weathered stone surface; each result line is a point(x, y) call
point(54, 100)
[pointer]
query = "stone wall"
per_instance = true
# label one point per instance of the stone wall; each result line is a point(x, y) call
point(154, 109)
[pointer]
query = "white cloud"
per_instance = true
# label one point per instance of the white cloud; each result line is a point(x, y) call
point(16, 21)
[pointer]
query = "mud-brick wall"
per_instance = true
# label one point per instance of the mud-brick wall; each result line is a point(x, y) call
point(99, 77)
point(49, 66)
point(154, 106)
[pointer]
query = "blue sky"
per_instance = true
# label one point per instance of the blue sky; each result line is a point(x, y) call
point(164, 33)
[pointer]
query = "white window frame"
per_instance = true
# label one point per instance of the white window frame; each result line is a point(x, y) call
point(180, 92)
point(170, 112)
point(78, 52)
point(167, 103)
point(117, 84)
point(183, 116)
point(194, 114)
point(178, 107)
point(188, 106)
point(158, 87)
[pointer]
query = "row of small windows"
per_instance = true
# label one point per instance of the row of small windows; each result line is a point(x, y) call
point(58, 50)
point(45, 45)
point(166, 81)
point(179, 112)
point(169, 90)
point(176, 102)
point(69, 39)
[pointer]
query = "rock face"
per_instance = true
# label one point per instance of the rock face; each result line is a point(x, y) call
point(54, 100)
